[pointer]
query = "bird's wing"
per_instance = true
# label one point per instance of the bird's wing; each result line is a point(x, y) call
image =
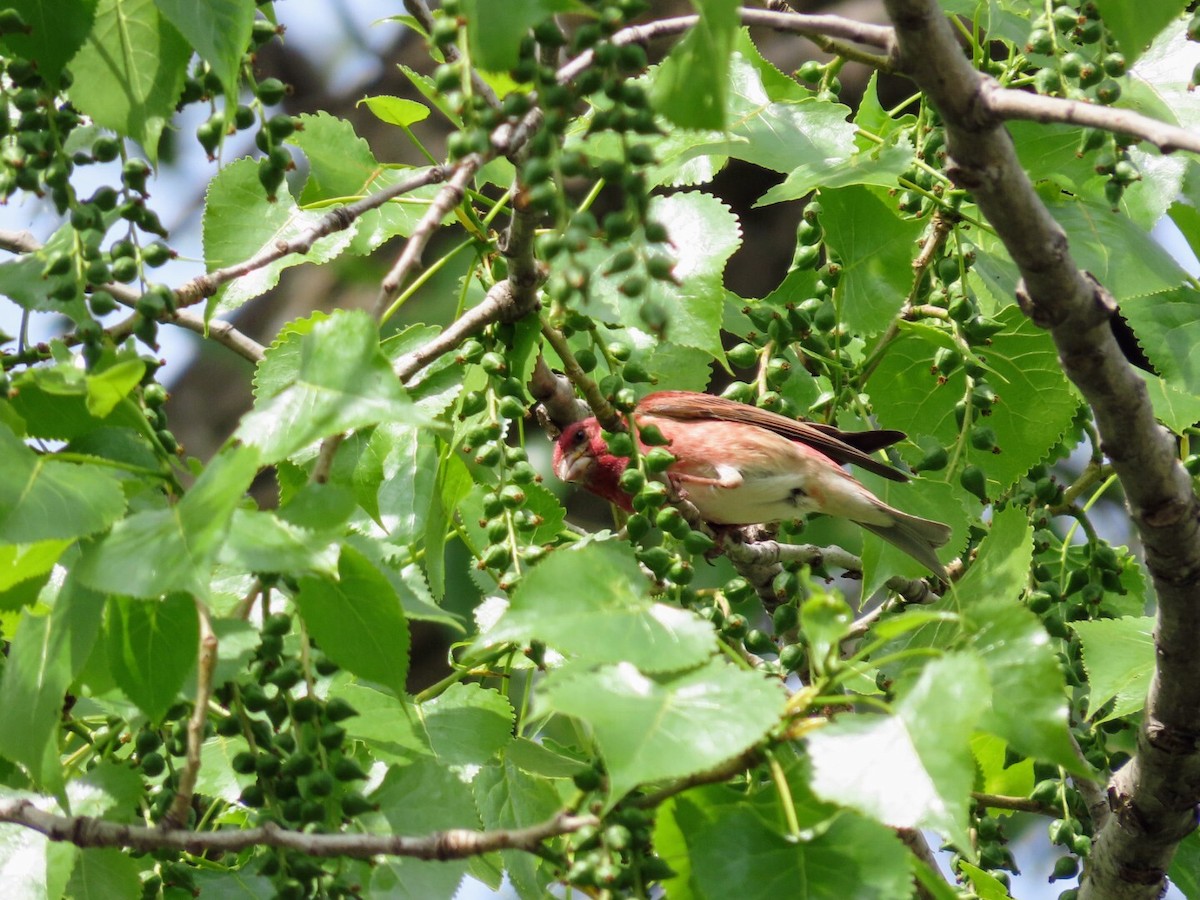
point(842, 447)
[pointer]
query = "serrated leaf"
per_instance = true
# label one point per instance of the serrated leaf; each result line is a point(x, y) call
point(1034, 405)
point(703, 235)
point(102, 872)
point(130, 71)
point(690, 86)
point(358, 621)
point(260, 541)
point(240, 222)
point(733, 851)
point(507, 797)
point(160, 550)
point(876, 250)
point(219, 30)
point(46, 654)
point(467, 724)
point(912, 769)
point(42, 498)
point(152, 646)
point(341, 381)
point(343, 168)
point(689, 723)
point(417, 799)
point(1175, 408)
point(57, 29)
point(1166, 325)
point(610, 616)
point(1119, 656)
point(1029, 699)
point(21, 562)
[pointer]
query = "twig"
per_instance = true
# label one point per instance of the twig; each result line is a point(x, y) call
point(177, 815)
point(556, 395)
point(795, 23)
point(913, 590)
point(603, 410)
point(458, 843)
point(915, 841)
point(1017, 804)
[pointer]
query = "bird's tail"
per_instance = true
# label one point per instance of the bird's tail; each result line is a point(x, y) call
point(915, 536)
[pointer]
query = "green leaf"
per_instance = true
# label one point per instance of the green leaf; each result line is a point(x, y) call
point(1034, 405)
point(703, 235)
point(396, 110)
point(494, 31)
point(101, 873)
point(130, 71)
point(42, 498)
point(161, 550)
point(263, 542)
point(1175, 408)
point(341, 381)
point(1166, 325)
point(1135, 27)
point(239, 222)
point(691, 84)
point(1185, 866)
point(108, 388)
point(21, 562)
point(732, 851)
point(986, 885)
point(1029, 699)
point(342, 168)
point(32, 866)
point(151, 648)
point(233, 884)
point(913, 769)
point(467, 724)
point(57, 29)
point(880, 165)
point(219, 30)
point(46, 654)
point(876, 251)
point(1119, 656)
point(417, 799)
point(610, 616)
point(688, 723)
point(358, 621)
point(508, 798)
point(53, 402)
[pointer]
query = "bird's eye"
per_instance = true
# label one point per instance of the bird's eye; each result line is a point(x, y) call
point(580, 436)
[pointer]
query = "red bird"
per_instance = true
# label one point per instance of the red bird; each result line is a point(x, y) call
point(740, 465)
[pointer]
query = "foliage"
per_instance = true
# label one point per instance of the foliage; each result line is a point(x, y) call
point(725, 741)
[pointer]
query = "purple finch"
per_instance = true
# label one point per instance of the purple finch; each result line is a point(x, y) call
point(740, 465)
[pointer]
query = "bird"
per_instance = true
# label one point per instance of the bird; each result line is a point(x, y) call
point(741, 465)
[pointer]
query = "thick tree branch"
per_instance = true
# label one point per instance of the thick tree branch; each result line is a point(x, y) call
point(1154, 797)
point(459, 843)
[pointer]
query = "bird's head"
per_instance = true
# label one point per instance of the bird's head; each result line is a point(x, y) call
point(581, 457)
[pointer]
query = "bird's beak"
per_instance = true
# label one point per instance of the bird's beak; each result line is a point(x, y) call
point(574, 465)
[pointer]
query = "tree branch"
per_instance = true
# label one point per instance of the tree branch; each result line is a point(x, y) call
point(1154, 796)
point(458, 843)
point(337, 219)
